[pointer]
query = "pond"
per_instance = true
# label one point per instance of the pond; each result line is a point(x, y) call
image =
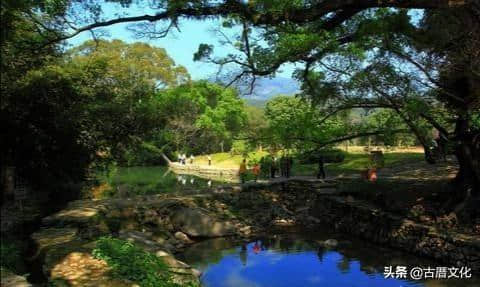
point(131, 181)
point(298, 260)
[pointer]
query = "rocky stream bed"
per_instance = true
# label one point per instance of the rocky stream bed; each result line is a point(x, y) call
point(167, 224)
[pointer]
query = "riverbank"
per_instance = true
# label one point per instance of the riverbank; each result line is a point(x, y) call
point(206, 171)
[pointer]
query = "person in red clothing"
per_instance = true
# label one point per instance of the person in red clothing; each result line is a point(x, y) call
point(256, 248)
point(256, 171)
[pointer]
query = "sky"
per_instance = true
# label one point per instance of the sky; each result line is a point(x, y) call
point(180, 45)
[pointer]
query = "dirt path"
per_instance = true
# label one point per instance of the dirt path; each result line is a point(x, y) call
point(422, 171)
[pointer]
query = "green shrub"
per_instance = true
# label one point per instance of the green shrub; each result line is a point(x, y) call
point(143, 154)
point(329, 156)
point(133, 263)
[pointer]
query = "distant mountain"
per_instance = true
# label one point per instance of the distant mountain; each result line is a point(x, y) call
point(266, 88)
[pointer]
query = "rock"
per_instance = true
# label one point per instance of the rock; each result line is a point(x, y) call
point(196, 272)
point(161, 253)
point(77, 213)
point(197, 223)
point(81, 269)
point(300, 209)
point(181, 272)
point(182, 237)
point(330, 243)
point(47, 237)
point(141, 239)
point(246, 230)
point(313, 219)
point(9, 279)
point(283, 222)
point(159, 239)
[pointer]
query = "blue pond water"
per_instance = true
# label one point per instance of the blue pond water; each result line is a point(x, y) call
point(293, 260)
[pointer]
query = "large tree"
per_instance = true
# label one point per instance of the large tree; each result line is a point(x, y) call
point(331, 37)
point(201, 117)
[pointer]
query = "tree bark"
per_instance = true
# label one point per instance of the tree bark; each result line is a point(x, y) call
point(468, 156)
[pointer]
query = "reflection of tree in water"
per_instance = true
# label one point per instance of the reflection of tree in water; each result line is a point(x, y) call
point(344, 265)
point(321, 253)
point(370, 257)
point(267, 243)
point(243, 254)
point(208, 252)
point(285, 244)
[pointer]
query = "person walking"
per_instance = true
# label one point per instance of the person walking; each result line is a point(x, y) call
point(273, 167)
point(288, 167)
point(209, 160)
point(321, 170)
point(282, 166)
point(243, 170)
point(191, 158)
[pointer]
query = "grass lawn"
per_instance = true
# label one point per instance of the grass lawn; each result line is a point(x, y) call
point(355, 161)
point(226, 160)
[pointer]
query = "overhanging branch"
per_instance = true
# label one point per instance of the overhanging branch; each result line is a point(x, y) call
point(343, 9)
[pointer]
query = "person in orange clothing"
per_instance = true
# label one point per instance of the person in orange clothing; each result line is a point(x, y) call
point(256, 171)
point(243, 171)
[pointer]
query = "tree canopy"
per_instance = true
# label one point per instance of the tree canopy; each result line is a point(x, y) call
point(421, 65)
point(202, 116)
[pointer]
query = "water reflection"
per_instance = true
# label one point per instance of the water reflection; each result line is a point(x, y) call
point(131, 181)
point(293, 260)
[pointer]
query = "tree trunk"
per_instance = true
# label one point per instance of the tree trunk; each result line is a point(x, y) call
point(467, 181)
point(469, 170)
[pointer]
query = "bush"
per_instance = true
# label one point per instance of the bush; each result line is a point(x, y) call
point(133, 263)
point(144, 154)
point(329, 156)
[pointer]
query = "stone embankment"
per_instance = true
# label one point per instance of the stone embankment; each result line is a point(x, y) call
point(206, 171)
point(166, 224)
point(366, 221)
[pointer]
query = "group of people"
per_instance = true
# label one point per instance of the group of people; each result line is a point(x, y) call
point(242, 172)
point(270, 164)
point(286, 163)
point(182, 158)
point(282, 165)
